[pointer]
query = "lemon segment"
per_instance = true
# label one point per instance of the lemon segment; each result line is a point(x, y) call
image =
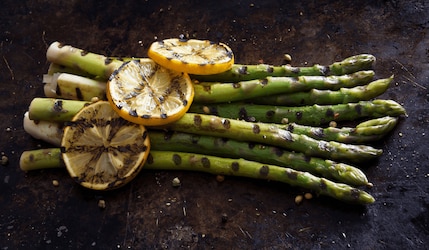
point(199, 57)
point(143, 92)
point(101, 150)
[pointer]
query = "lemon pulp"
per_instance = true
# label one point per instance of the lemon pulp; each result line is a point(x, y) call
point(143, 92)
point(101, 150)
point(200, 57)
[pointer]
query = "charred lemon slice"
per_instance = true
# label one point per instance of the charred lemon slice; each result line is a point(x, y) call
point(101, 150)
point(143, 92)
point(199, 57)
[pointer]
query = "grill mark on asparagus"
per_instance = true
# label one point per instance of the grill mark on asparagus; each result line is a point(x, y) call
point(264, 170)
point(235, 166)
point(177, 159)
point(205, 162)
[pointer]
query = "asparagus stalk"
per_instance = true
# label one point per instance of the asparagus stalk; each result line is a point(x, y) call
point(273, 135)
point(41, 159)
point(165, 160)
point(48, 131)
point(242, 131)
point(57, 68)
point(307, 115)
point(69, 86)
point(240, 167)
point(327, 97)
point(209, 92)
point(222, 147)
point(102, 66)
point(75, 58)
point(368, 131)
point(51, 109)
point(45, 109)
point(241, 72)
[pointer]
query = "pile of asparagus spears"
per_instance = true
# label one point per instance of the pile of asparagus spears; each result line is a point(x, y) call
point(278, 123)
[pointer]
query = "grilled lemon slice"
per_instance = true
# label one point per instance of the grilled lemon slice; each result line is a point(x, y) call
point(101, 150)
point(143, 92)
point(199, 57)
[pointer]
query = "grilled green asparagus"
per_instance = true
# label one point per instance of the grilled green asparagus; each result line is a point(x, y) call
point(307, 115)
point(327, 97)
point(223, 147)
point(51, 132)
point(168, 160)
point(241, 72)
point(70, 86)
point(78, 59)
point(368, 131)
point(239, 167)
point(270, 134)
point(209, 92)
point(264, 133)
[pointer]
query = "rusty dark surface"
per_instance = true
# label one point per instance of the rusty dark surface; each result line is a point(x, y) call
point(204, 213)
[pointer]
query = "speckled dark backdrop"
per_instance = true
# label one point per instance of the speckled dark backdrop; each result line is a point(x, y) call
point(150, 213)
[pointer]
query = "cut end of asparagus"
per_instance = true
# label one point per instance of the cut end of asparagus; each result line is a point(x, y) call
point(50, 85)
point(50, 132)
point(40, 159)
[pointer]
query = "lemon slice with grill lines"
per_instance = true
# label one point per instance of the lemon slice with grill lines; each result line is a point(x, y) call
point(101, 150)
point(199, 57)
point(143, 92)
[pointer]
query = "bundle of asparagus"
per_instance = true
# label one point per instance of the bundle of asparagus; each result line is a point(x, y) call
point(239, 124)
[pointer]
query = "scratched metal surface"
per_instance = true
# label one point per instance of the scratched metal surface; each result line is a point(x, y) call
point(203, 213)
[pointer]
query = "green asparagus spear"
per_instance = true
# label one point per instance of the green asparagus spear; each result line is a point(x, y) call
point(57, 68)
point(48, 131)
point(208, 92)
point(73, 87)
point(41, 159)
point(239, 167)
point(167, 160)
point(71, 57)
point(327, 97)
point(241, 72)
point(307, 115)
point(240, 130)
point(223, 147)
point(371, 131)
point(51, 109)
point(70, 86)
point(270, 134)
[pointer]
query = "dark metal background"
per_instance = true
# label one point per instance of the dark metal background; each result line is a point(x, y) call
point(150, 213)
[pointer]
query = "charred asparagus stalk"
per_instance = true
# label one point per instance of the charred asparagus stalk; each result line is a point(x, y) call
point(41, 159)
point(368, 131)
point(222, 147)
point(239, 167)
point(240, 72)
point(51, 109)
point(78, 59)
point(57, 68)
point(269, 134)
point(48, 131)
point(327, 97)
point(307, 115)
point(102, 66)
point(209, 92)
point(73, 87)
point(44, 109)
point(69, 86)
point(239, 130)
point(166, 160)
